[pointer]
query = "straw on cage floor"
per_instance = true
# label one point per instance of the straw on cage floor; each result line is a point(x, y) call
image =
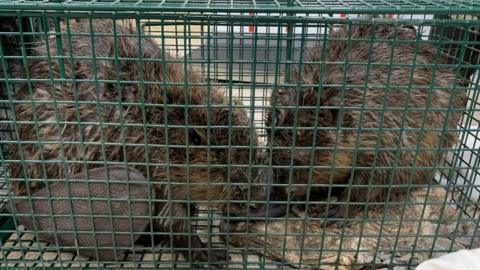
point(390, 238)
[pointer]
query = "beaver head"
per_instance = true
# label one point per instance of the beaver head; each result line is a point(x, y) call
point(225, 150)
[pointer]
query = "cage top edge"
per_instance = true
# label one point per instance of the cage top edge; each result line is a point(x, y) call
point(278, 6)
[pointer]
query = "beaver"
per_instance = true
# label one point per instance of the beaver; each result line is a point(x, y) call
point(109, 95)
point(362, 133)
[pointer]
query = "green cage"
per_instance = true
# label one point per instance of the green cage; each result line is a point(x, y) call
point(309, 134)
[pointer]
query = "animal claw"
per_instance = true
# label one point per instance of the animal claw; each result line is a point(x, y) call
point(333, 215)
point(215, 258)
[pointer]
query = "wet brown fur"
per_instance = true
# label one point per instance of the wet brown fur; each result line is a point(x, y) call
point(139, 141)
point(341, 45)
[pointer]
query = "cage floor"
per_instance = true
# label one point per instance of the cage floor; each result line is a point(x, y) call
point(26, 252)
point(392, 243)
point(21, 249)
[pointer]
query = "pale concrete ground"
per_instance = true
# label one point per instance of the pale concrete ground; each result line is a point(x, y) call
point(174, 43)
point(476, 80)
point(467, 158)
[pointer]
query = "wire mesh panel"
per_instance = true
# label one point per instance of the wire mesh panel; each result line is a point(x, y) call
point(272, 135)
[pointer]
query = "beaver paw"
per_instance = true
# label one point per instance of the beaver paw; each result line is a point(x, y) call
point(334, 215)
point(215, 258)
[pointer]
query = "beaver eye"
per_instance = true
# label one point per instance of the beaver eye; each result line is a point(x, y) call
point(237, 175)
point(193, 137)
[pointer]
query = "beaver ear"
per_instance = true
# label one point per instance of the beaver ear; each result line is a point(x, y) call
point(294, 74)
point(330, 116)
point(331, 99)
point(283, 97)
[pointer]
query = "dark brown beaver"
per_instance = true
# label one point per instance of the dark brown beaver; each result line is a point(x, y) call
point(115, 100)
point(389, 125)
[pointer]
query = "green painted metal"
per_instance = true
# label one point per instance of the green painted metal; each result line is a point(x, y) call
point(299, 6)
point(248, 66)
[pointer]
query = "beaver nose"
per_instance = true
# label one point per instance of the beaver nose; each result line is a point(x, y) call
point(239, 180)
point(260, 185)
point(238, 175)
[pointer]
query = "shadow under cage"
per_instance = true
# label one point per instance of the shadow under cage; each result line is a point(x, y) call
point(308, 135)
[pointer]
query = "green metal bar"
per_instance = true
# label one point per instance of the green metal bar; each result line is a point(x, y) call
point(317, 111)
point(382, 129)
point(57, 115)
point(289, 46)
point(252, 131)
point(186, 91)
point(209, 126)
point(167, 148)
point(25, 66)
point(58, 39)
point(455, 88)
point(77, 110)
point(273, 126)
point(122, 132)
point(422, 129)
point(146, 144)
point(357, 139)
point(196, 19)
point(476, 96)
point(309, 180)
point(101, 120)
point(230, 49)
point(335, 148)
point(9, 223)
point(131, 8)
point(288, 52)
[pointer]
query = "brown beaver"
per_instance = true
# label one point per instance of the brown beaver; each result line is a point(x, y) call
point(376, 129)
point(106, 97)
